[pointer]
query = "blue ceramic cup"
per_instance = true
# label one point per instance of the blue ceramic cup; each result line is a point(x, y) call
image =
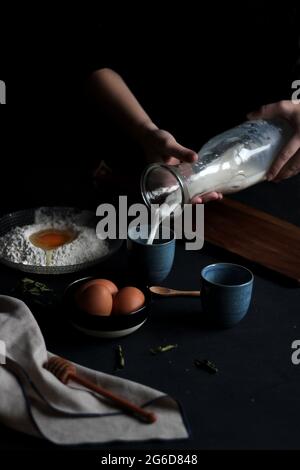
point(150, 264)
point(226, 293)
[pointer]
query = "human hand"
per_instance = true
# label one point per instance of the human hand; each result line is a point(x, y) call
point(160, 146)
point(287, 163)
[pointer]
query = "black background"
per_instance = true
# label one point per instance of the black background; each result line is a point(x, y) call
point(197, 72)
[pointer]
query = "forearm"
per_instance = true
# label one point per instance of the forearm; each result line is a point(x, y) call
point(111, 92)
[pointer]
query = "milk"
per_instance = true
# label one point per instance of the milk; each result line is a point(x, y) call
point(161, 213)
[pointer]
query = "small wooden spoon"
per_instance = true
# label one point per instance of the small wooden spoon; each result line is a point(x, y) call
point(166, 292)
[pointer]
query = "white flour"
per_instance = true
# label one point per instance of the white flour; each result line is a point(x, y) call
point(16, 247)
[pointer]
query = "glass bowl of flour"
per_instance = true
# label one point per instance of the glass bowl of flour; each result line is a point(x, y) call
point(52, 240)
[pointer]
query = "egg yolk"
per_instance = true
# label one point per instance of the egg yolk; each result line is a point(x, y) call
point(50, 239)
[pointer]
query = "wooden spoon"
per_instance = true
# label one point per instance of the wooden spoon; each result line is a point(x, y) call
point(167, 292)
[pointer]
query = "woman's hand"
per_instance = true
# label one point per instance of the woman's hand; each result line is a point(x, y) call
point(160, 145)
point(288, 161)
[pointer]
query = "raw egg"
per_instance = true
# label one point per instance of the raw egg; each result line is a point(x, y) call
point(52, 238)
point(95, 299)
point(128, 300)
point(111, 286)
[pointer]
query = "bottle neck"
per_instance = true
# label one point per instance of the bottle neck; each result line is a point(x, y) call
point(162, 183)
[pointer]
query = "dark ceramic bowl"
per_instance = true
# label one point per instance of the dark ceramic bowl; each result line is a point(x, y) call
point(113, 326)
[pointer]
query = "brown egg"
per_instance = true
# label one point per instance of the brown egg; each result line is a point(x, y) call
point(128, 300)
point(102, 282)
point(95, 299)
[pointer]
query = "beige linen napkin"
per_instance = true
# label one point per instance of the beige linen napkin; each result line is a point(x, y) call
point(36, 402)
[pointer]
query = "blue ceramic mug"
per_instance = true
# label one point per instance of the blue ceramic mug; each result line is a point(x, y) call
point(150, 264)
point(226, 293)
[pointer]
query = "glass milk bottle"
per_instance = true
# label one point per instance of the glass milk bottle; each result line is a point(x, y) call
point(229, 162)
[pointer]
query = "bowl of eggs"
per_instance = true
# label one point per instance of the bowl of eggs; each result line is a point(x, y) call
point(98, 307)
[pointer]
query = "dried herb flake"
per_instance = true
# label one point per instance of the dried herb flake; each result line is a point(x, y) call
point(120, 358)
point(207, 365)
point(162, 349)
point(39, 293)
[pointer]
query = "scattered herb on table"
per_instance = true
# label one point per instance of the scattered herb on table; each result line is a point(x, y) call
point(162, 349)
point(35, 291)
point(34, 287)
point(206, 365)
point(120, 363)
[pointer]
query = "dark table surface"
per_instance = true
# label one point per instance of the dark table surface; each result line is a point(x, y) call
point(253, 402)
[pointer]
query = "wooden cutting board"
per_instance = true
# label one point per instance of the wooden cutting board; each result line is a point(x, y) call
point(255, 235)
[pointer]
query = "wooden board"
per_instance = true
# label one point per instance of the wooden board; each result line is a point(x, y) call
point(255, 235)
